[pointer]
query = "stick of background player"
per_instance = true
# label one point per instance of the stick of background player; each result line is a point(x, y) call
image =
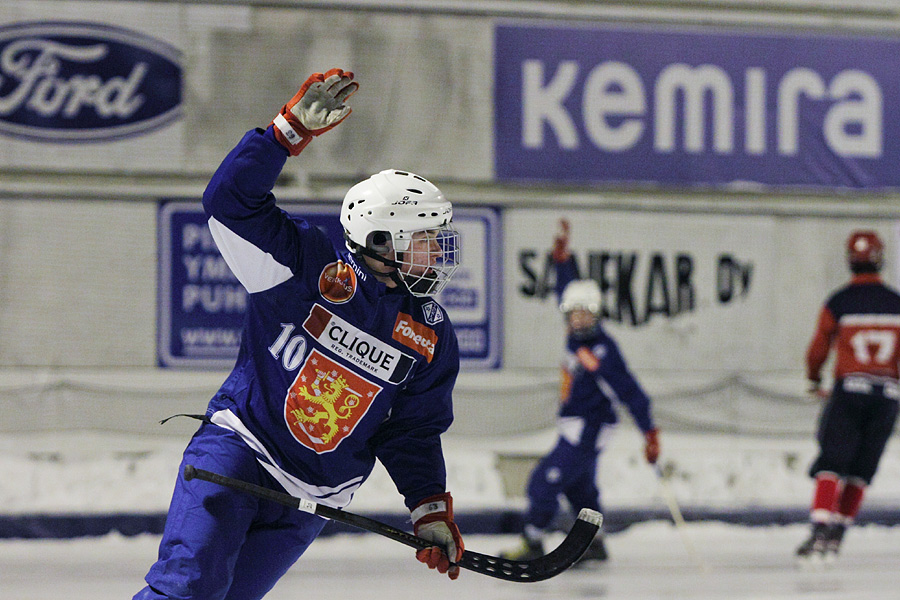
point(678, 518)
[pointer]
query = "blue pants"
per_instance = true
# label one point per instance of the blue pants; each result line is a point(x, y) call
point(567, 470)
point(220, 543)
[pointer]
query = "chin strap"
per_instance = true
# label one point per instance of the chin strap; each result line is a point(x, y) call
point(420, 286)
point(394, 275)
point(365, 251)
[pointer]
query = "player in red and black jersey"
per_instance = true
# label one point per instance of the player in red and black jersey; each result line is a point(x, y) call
point(861, 321)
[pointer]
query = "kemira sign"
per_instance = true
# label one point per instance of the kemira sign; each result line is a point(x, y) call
point(695, 107)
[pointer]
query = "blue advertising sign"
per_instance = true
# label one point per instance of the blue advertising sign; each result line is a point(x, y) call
point(695, 107)
point(85, 82)
point(472, 298)
point(202, 304)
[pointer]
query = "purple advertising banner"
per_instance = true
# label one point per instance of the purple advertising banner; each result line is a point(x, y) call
point(696, 107)
point(202, 304)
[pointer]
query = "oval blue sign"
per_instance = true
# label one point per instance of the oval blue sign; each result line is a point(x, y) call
point(84, 82)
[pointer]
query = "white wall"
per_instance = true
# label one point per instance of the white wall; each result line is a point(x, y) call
point(78, 243)
point(763, 324)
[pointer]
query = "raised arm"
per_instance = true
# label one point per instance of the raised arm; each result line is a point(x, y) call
point(260, 243)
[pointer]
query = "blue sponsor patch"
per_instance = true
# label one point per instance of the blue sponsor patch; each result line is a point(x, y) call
point(85, 82)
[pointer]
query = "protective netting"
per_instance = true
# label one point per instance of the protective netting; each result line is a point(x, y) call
point(758, 404)
point(736, 405)
point(488, 403)
point(70, 405)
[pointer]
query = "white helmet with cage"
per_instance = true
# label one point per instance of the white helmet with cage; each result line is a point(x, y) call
point(384, 214)
point(581, 294)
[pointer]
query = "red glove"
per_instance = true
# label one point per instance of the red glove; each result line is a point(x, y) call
point(433, 520)
point(561, 243)
point(651, 446)
point(316, 108)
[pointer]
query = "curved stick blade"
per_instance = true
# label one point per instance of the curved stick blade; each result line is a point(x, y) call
point(527, 571)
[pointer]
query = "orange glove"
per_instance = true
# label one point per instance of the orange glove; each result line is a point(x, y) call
point(561, 243)
point(651, 446)
point(316, 108)
point(433, 520)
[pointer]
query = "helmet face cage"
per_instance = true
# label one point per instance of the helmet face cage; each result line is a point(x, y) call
point(431, 258)
point(404, 221)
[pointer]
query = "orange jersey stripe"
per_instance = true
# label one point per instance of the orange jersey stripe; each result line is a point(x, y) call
point(587, 359)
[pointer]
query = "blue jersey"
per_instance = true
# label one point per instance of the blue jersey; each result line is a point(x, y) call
point(335, 369)
point(594, 374)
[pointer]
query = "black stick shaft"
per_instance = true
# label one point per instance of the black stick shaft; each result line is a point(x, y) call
point(334, 514)
point(547, 566)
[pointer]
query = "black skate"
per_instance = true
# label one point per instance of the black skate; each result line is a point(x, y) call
point(596, 553)
point(833, 538)
point(814, 548)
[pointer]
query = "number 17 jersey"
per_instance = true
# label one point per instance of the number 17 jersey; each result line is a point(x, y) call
point(862, 322)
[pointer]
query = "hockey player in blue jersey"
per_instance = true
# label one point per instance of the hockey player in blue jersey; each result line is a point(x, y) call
point(594, 376)
point(344, 359)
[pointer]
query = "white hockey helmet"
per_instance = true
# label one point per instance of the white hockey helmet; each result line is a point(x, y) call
point(581, 294)
point(392, 206)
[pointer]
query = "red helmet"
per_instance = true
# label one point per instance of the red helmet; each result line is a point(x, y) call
point(864, 247)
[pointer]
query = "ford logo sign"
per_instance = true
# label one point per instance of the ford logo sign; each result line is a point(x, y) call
point(85, 82)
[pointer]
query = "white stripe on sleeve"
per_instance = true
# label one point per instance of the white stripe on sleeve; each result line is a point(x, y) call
point(255, 269)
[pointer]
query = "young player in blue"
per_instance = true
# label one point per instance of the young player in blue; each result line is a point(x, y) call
point(344, 359)
point(594, 376)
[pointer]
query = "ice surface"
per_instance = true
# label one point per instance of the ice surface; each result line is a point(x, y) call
point(649, 561)
point(104, 473)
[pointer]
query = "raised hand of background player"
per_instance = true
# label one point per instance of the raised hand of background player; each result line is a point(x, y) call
point(316, 108)
point(651, 446)
point(433, 520)
point(561, 242)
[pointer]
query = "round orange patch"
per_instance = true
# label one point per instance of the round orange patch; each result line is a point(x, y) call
point(337, 282)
